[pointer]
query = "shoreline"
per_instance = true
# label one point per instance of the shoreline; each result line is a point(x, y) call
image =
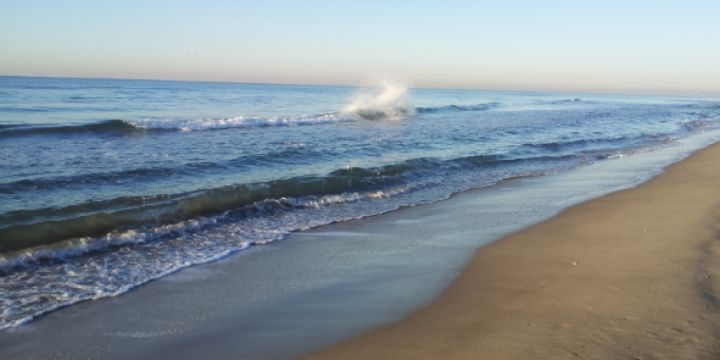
point(628, 275)
point(326, 285)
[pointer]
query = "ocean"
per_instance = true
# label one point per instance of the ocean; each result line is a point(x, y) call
point(108, 184)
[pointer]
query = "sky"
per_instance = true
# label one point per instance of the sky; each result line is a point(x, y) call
point(602, 46)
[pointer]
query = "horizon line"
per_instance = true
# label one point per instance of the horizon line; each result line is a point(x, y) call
point(678, 93)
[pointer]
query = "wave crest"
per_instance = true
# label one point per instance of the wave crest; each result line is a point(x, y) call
point(453, 108)
point(234, 122)
point(108, 126)
point(121, 127)
point(390, 101)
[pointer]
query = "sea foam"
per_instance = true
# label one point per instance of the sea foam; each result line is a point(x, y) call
point(235, 122)
point(390, 101)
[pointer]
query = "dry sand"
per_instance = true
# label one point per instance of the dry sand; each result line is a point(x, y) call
point(632, 275)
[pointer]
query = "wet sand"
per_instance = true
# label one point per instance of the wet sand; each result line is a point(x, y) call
point(631, 275)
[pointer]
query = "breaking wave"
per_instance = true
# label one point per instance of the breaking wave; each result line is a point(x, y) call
point(235, 122)
point(387, 102)
point(120, 127)
point(51, 226)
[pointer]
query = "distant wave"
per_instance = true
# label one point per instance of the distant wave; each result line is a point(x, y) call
point(235, 122)
point(623, 142)
point(564, 101)
point(453, 108)
point(390, 101)
point(80, 180)
point(145, 125)
point(108, 126)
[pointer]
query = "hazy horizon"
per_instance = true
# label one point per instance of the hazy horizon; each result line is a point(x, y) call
point(379, 84)
point(600, 47)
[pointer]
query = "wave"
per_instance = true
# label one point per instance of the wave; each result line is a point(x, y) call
point(22, 110)
point(120, 127)
point(160, 250)
point(625, 141)
point(386, 105)
point(146, 174)
point(454, 108)
point(79, 245)
point(103, 217)
point(390, 101)
point(149, 173)
point(129, 256)
point(18, 217)
point(107, 126)
point(96, 217)
point(695, 125)
point(235, 122)
point(564, 101)
point(555, 146)
point(171, 208)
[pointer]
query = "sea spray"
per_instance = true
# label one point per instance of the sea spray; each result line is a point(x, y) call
point(389, 101)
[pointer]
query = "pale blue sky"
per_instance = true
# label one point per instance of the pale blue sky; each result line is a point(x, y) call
point(646, 46)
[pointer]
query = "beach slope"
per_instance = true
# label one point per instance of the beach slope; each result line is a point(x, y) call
point(630, 275)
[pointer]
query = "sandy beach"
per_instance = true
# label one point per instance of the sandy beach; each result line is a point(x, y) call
point(632, 275)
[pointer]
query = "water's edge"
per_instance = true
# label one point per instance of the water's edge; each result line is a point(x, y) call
point(341, 279)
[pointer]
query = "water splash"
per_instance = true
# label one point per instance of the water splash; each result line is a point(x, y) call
point(389, 101)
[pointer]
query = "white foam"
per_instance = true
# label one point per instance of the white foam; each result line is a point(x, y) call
point(235, 122)
point(85, 245)
point(28, 291)
point(390, 101)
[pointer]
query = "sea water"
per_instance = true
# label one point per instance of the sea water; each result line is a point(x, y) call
point(108, 184)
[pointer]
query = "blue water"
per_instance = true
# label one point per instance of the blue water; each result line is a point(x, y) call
point(107, 184)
